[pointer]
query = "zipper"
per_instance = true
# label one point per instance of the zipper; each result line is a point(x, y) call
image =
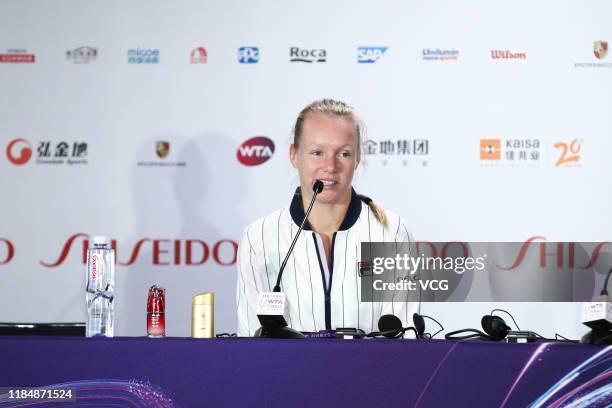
point(326, 288)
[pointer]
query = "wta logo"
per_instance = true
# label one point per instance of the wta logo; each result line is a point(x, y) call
point(255, 151)
point(19, 151)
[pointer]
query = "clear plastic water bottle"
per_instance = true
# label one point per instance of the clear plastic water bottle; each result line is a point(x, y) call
point(100, 288)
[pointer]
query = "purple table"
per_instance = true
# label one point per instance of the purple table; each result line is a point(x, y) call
point(179, 372)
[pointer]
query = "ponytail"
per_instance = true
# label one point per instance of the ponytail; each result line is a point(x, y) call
point(376, 210)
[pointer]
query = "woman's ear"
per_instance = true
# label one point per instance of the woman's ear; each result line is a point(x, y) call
point(293, 155)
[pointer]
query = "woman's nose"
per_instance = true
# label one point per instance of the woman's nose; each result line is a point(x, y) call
point(330, 163)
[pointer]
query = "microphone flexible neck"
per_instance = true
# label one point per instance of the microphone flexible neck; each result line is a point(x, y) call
point(316, 191)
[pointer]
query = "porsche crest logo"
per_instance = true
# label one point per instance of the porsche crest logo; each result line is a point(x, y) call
point(600, 49)
point(162, 148)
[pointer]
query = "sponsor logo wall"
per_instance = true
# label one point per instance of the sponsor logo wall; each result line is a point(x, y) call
point(172, 162)
point(298, 54)
point(569, 153)
point(511, 151)
point(521, 152)
point(403, 151)
point(369, 55)
point(17, 56)
point(508, 55)
point(19, 152)
point(248, 55)
point(437, 54)
point(600, 52)
point(199, 56)
point(164, 158)
point(163, 252)
point(8, 251)
point(255, 151)
point(82, 55)
point(143, 56)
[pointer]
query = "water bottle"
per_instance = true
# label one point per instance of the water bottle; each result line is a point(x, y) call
point(100, 288)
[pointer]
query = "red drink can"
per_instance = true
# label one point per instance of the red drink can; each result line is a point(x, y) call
point(156, 312)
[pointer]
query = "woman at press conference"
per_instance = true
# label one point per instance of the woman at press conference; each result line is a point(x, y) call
point(321, 279)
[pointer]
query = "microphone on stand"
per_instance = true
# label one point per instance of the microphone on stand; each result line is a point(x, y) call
point(317, 187)
point(271, 305)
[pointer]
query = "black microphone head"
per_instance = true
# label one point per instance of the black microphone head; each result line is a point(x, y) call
point(419, 324)
point(317, 187)
point(495, 327)
point(390, 323)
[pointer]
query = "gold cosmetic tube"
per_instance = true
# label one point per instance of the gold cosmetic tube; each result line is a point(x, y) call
point(203, 316)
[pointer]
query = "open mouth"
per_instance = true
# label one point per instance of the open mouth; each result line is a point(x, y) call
point(329, 183)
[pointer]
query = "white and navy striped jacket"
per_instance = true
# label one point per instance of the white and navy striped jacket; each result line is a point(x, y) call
point(317, 299)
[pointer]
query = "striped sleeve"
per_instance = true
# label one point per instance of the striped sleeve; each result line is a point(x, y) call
point(251, 269)
point(403, 306)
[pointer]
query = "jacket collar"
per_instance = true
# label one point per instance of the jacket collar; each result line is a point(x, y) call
point(350, 218)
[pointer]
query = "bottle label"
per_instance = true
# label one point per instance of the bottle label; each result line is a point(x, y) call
point(156, 324)
point(100, 292)
point(97, 269)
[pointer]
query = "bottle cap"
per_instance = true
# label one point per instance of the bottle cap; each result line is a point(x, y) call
point(206, 298)
point(100, 240)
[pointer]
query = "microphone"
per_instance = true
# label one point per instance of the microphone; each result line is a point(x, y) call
point(271, 305)
point(419, 325)
point(495, 329)
point(317, 187)
point(390, 326)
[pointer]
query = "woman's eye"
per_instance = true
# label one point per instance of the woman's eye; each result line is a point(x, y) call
point(345, 154)
point(316, 153)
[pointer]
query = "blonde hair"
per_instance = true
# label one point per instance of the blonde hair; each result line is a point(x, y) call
point(339, 108)
point(328, 107)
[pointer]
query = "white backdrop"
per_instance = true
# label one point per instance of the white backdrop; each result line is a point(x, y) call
point(557, 91)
